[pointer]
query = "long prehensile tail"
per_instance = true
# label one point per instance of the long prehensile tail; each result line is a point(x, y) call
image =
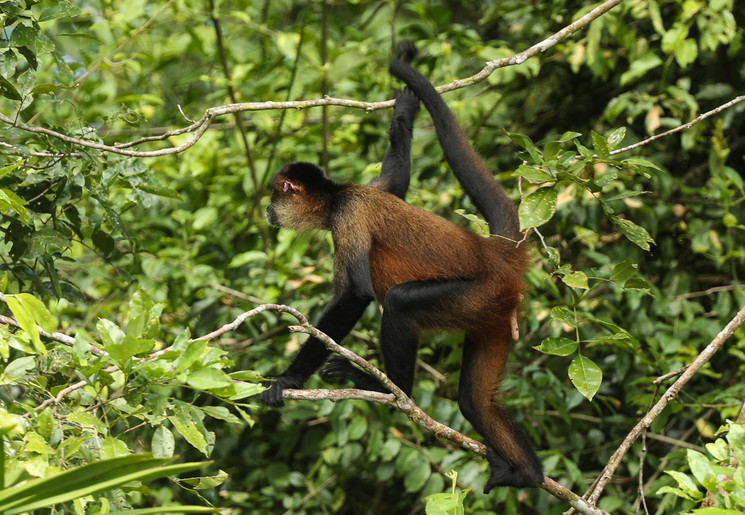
point(477, 181)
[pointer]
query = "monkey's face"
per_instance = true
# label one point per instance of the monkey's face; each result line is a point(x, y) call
point(272, 218)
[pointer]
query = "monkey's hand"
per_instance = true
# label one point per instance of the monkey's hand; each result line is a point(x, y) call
point(407, 106)
point(272, 397)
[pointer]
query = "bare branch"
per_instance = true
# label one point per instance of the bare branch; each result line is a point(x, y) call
point(594, 493)
point(200, 127)
point(248, 314)
point(401, 401)
point(341, 394)
point(683, 127)
point(55, 336)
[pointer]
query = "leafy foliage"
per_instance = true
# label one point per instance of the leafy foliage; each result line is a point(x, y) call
point(638, 255)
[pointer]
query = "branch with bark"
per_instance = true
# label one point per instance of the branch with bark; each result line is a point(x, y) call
point(199, 127)
point(399, 400)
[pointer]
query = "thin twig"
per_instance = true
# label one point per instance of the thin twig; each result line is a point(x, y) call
point(54, 336)
point(683, 127)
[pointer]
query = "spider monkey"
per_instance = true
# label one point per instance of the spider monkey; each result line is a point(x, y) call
point(427, 272)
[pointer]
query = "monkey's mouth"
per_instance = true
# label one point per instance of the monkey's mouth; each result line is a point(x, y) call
point(271, 217)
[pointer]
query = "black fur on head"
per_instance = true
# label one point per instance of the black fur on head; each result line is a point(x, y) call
point(307, 174)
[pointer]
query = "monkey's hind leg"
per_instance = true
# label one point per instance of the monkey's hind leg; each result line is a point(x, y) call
point(511, 458)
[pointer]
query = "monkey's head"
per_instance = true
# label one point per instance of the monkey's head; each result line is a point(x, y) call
point(301, 198)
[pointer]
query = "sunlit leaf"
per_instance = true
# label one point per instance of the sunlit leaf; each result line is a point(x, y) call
point(557, 346)
point(537, 208)
point(586, 376)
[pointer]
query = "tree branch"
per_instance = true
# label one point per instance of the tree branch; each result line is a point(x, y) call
point(683, 127)
point(55, 336)
point(403, 402)
point(200, 127)
point(397, 398)
point(593, 494)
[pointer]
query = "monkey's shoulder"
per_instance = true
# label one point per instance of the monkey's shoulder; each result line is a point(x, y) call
point(372, 207)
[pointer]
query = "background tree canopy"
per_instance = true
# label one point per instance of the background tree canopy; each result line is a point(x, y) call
point(637, 256)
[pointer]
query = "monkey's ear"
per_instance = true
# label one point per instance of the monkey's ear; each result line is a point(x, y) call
point(290, 187)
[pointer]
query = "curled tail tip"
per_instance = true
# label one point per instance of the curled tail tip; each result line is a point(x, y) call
point(406, 51)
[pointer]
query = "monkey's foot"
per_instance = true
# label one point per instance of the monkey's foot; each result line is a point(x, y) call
point(338, 367)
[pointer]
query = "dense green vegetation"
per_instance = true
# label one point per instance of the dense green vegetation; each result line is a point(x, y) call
point(637, 256)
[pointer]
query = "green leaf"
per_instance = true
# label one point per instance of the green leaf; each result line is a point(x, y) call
point(252, 256)
point(718, 449)
point(616, 137)
point(678, 492)
point(173, 509)
point(190, 355)
point(686, 52)
point(568, 136)
point(122, 353)
point(8, 89)
point(537, 208)
point(113, 447)
point(736, 438)
point(24, 35)
point(87, 420)
point(9, 200)
point(557, 346)
point(61, 10)
point(640, 162)
point(202, 483)
point(103, 241)
point(685, 483)
point(533, 174)
point(576, 279)
point(221, 413)
point(86, 480)
point(586, 376)
point(109, 331)
point(564, 315)
point(702, 470)
point(417, 475)
point(639, 66)
point(189, 431)
point(163, 444)
point(621, 340)
point(357, 428)
point(18, 368)
point(287, 43)
point(243, 390)
point(445, 504)
point(633, 232)
point(526, 143)
point(144, 316)
point(208, 378)
point(551, 150)
point(623, 271)
point(30, 312)
point(390, 450)
point(600, 145)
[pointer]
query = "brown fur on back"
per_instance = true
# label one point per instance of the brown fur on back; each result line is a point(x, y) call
point(405, 243)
